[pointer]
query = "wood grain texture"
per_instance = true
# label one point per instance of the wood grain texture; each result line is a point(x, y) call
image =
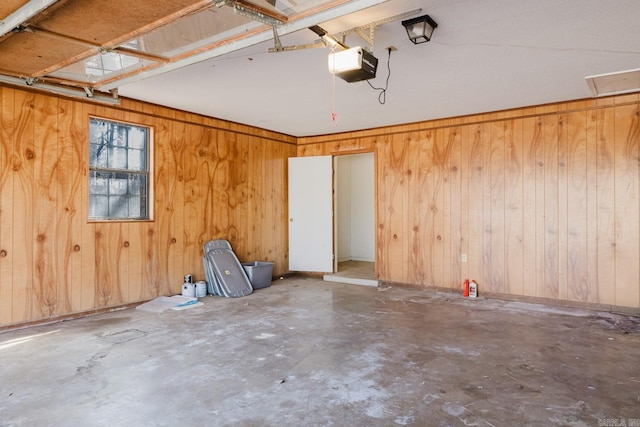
point(606, 197)
point(23, 239)
point(412, 206)
point(544, 200)
point(53, 261)
point(550, 288)
point(579, 287)
point(495, 200)
point(6, 205)
point(627, 212)
point(88, 233)
point(45, 204)
point(69, 224)
point(453, 199)
point(476, 202)
point(514, 208)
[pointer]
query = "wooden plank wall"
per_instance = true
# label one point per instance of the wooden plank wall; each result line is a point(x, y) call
point(212, 179)
point(545, 201)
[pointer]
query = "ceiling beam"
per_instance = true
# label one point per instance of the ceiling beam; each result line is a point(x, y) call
point(95, 49)
point(85, 94)
point(26, 12)
point(261, 35)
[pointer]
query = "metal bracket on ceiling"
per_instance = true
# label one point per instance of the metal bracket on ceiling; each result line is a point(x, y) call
point(325, 41)
point(367, 32)
point(252, 11)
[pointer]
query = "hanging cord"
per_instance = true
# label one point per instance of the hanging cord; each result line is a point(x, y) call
point(334, 114)
point(382, 96)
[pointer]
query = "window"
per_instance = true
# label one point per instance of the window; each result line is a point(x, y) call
point(118, 171)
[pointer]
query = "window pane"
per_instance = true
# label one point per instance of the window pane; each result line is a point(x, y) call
point(118, 178)
point(118, 185)
point(138, 138)
point(118, 206)
point(99, 155)
point(98, 206)
point(99, 183)
point(136, 207)
point(136, 160)
point(118, 158)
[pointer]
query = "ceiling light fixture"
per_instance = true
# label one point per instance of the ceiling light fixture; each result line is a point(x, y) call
point(420, 29)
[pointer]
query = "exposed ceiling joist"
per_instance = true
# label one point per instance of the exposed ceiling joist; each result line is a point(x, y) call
point(249, 38)
point(26, 12)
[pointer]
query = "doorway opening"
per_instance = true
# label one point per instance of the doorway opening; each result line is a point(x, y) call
point(354, 220)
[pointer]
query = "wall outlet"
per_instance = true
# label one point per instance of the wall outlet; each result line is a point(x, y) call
point(464, 257)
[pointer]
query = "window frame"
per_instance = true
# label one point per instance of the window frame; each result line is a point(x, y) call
point(148, 172)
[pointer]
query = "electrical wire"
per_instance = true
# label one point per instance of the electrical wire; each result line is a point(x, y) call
point(382, 96)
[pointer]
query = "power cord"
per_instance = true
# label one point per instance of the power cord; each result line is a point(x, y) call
point(382, 96)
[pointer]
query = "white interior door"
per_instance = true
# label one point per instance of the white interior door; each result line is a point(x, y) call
point(310, 214)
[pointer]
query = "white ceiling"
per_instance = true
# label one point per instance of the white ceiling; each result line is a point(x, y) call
point(484, 56)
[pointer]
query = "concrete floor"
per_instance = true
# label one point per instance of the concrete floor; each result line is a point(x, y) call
point(304, 352)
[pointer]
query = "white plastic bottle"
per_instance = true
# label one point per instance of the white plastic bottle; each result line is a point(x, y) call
point(473, 289)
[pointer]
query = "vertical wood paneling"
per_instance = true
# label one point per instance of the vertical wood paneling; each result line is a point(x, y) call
point(606, 204)
point(495, 236)
point(178, 142)
point(383, 226)
point(269, 218)
point(576, 215)
point(545, 203)
point(23, 196)
point(591, 183)
point(262, 203)
point(110, 268)
point(440, 158)
point(413, 265)
point(627, 213)
point(53, 261)
point(540, 235)
point(237, 193)
point(45, 207)
point(88, 236)
point(218, 167)
point(68, 227)
point(476, 203)
point(455, 182)
point(256, 198)
point(164, 184)
point(464, 200)
point(551, 200)
point(6, 205)
point(531, 130)
point(563, 249)
point(514, 208)
point(195, 186)
point(394, 220)
point(425, 197)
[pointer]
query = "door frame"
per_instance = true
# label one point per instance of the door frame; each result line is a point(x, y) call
point(335, 156)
